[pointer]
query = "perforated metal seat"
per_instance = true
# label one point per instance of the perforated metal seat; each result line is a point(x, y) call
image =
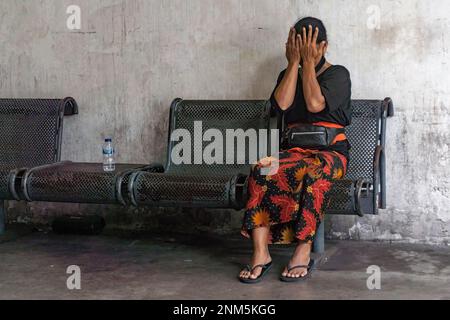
point(205, 185)
point(168, 190)
point(78, 182)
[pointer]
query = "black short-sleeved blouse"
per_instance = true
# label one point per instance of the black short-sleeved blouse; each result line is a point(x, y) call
point(335, 85)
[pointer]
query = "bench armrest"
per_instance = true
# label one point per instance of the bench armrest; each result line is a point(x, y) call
point(122, 186)
point(129, 187)
point(70, 106)
point(388, 107)
point(380, 158)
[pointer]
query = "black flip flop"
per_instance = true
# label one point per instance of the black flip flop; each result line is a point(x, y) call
point(265, 268)
point(309, 268)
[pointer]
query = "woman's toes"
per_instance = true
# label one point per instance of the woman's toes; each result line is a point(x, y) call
point(295, 274)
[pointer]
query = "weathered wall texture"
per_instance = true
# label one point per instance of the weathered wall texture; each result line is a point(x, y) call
point(132, 57)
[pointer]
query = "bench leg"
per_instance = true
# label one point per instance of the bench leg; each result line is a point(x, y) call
point(319, 241)
point(2, 217)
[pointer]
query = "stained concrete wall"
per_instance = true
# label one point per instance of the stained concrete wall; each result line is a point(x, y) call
point(132, 57)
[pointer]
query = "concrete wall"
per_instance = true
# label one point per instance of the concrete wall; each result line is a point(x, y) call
point(132, 57)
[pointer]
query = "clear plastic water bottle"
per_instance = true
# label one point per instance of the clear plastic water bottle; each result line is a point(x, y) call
point(108, 156)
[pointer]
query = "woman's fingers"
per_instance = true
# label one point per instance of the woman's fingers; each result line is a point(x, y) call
point(316, 34)
point(299, 42)
point(305, 38)
point(289, 39)
point(309, 35)
point(293, 36)
point(289, 42)
point(295, 42)
point(322, 47)
point(265, 161)
point(290, 35)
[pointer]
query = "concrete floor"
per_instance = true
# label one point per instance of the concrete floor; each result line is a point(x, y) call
point(33, 266)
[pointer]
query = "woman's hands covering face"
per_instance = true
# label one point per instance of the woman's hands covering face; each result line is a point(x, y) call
point(310, 52)
point(303, 47)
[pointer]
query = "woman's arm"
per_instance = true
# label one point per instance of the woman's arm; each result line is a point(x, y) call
point(315, 101)
point(285, 92)
point(310, 53)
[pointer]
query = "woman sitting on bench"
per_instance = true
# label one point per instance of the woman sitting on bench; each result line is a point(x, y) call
point(288, 205)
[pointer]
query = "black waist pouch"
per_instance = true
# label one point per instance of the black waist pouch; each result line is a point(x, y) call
point(306, 135)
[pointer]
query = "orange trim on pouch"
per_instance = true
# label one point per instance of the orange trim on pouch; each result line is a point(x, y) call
point(339, 137)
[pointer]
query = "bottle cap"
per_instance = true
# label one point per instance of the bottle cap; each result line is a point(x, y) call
point(108, 139)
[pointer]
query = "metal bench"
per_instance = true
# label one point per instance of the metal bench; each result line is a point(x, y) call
point(219, 185)
point(362, 191)
point(30, 135)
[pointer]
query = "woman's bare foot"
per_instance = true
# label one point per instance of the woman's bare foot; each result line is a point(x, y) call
point(260, 257)
point(301, 256)
point(261, 253)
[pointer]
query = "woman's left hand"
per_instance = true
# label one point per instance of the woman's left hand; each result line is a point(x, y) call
point(267, 161)
point(309, 51)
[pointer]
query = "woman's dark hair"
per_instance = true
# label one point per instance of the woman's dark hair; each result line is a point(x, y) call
point(314, 22)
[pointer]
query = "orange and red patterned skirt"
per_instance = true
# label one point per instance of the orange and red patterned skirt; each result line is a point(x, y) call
point(291, 200)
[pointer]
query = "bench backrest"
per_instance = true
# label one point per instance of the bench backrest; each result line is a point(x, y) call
point(31, 129)
point(364, 132)
point(219, 115)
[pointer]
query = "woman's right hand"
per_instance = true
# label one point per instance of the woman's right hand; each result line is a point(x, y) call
point(293, 48)
point(285, 91)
